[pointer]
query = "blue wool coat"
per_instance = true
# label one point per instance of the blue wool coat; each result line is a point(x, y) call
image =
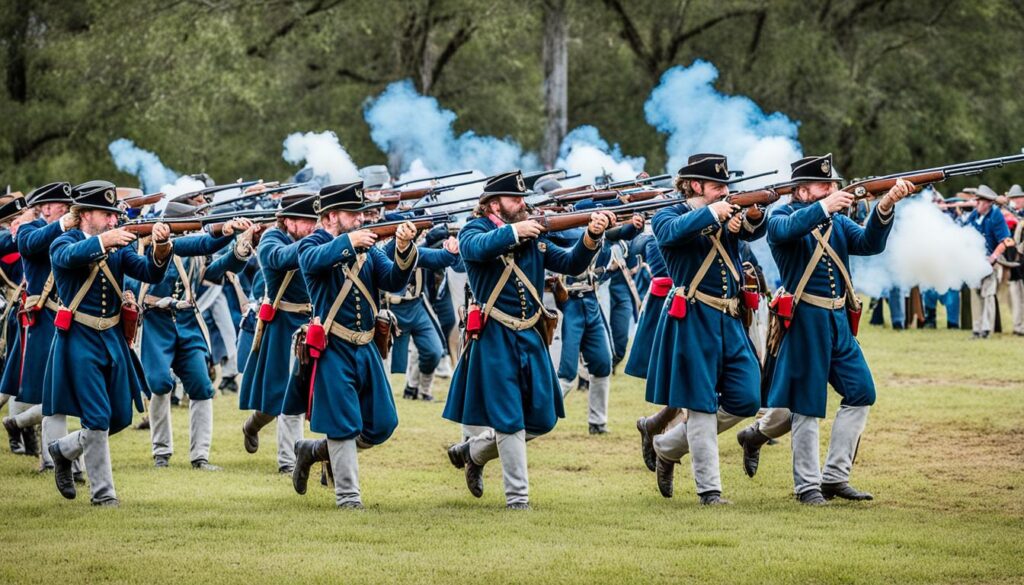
point(505, 379)
point(94, 375)
point(174, 339)
point(266, 375)
point(10, 266)
point(647, 323)
point(247, 326)
point(351, 391)
point(34, 239)
point(818, 348)
point(414, 318)
point(585, 330)
point(704, 361)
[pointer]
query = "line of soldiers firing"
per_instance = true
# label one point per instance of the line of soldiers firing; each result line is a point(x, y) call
point(330, 285)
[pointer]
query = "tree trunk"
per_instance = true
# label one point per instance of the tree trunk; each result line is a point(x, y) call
point(556, 79)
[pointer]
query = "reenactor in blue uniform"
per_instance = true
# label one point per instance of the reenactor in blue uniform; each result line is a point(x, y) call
point(34, 238)
point(285, 307)
point(702, 359)
point(174, 339)
point(623, 292)
point(92, 373)
point(811, 241)
point(417, 321)
point(347, 395)
point(991, 224)
point(11, 275)
point(505, 379)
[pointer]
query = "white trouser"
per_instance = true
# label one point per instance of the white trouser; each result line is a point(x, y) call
point(983, 304)
point(30, 416)
point(511, 449)
point(221, 313)
point(775, 422)
point(55, 428)
point(289, 430)
point(1017, 304)
point(345, 467)
point(846, 431)
point(698, 435)
point(94, 446)
point(200, 426)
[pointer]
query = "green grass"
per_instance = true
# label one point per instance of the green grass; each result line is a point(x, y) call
point(943, 454)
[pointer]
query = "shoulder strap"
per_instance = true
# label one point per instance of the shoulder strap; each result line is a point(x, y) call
point(80, 295)
point(110, 276)
point(496, 291)
point(345, 290)
point(280, 291)
point(45, 293)
point(184, 276)
point(851, 295)
point(716, 250)
point(819, 251)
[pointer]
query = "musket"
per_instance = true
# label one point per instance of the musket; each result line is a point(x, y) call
point(564, 221)
point(218, 188)
point(391, 197)
point(631, 182)
point(762, 197)
point(243, 197)
point(874, 186)
point(387, 229)
point(742, 178)
point(437, 178)
point(137, 201)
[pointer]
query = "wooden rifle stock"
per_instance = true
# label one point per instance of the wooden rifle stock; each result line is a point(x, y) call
point(387, 230)
point(138, 201)
point(763, 197)
point(875, 187)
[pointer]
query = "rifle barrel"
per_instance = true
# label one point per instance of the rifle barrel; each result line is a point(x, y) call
point(437, 178)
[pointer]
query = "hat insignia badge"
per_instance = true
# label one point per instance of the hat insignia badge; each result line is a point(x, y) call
point(316, 205)
point(825, 167)
point(520, 183)
point(110, 196)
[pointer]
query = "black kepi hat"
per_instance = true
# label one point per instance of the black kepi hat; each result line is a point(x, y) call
point(509, 184)
point(344, 197)
point(299, 205)
point(706, 167)
point(101, 195)
point(59, 192)
point(814, 169)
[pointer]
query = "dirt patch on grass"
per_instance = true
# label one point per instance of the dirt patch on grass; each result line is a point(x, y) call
point(904, 380)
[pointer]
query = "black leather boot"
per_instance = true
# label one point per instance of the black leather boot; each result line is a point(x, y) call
point(844, 491)
point(458, 454)
point(751, 439)
point(307, 452)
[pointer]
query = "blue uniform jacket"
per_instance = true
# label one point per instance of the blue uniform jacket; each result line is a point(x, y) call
point(92, 374)
point(819, 348)
point(351, 391)
point(704, 361)
point(505, 379)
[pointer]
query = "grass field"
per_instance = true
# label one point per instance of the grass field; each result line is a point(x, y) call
point(943, 454)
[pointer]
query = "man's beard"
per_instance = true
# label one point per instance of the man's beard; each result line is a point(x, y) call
point(515, 217)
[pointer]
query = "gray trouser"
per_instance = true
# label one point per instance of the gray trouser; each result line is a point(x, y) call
point(345, 466)
point(16, 408)
point(30, 416)
point(597, 410)
point(221, 314)
point(289, 430)
point(1017, 304)
point(775, 422)
point(200, 426)
point(94, 447)
point(983, 304)
point(511, 449)
point(4, 398)
point(846, 431)
point(55, 428)
point(470, 431)
point(698, 435)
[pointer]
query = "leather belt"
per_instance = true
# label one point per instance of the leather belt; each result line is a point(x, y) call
point(730, 306)
point(515, 323)
point(31, 301)
point(97, 323)
point(304, 308)
point(350, 335)
point(827, 303)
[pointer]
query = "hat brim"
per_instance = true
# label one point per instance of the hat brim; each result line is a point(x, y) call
point(87, 207)
point(703, 178)
point(296, 215)
point(341, 207)
point(42, 200)
point(488, 195)
point(817, 180)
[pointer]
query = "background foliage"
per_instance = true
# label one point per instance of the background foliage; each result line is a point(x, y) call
point(216, 85)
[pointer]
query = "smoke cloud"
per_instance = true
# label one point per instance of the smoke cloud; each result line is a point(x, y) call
point(926, 248)
point(145, 165)
point(583, 151)
point(410, 127)
point(322, 152)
